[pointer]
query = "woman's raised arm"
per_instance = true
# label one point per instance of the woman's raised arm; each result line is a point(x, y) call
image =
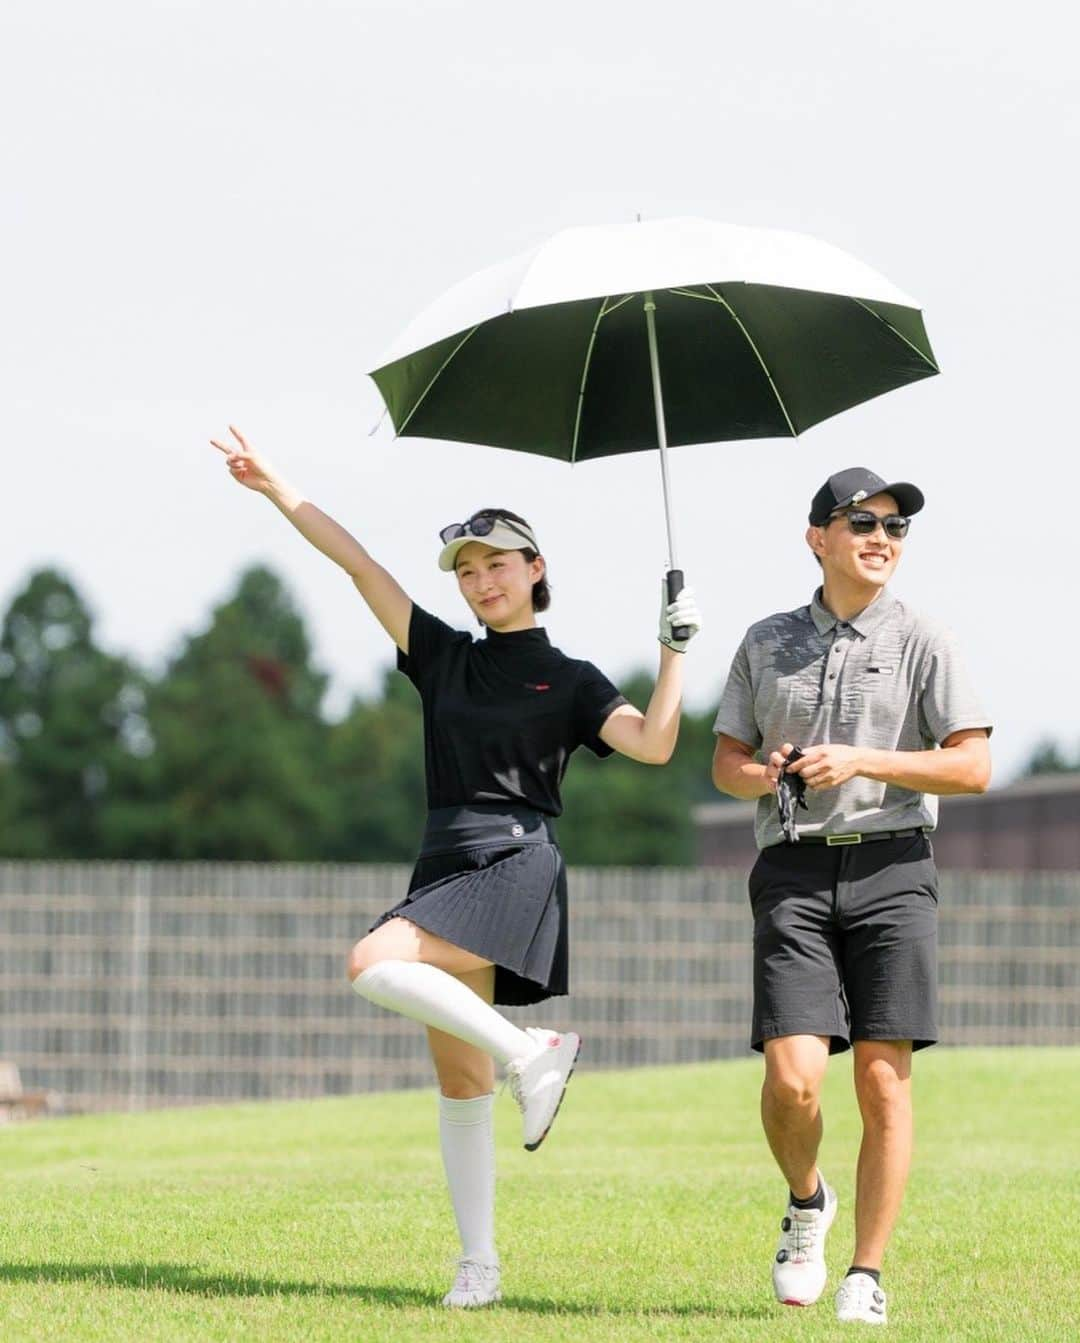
point(650, 736)
point(391, 606)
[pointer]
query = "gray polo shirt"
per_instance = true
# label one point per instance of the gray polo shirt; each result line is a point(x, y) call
point(888, 678)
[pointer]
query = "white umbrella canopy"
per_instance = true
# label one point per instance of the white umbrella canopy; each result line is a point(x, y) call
point(618, 259)
point(605, 340)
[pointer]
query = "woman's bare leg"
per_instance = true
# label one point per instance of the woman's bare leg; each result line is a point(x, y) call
point(400, 940)
point(407, 970)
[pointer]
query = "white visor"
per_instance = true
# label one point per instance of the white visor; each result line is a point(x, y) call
point(503, 536)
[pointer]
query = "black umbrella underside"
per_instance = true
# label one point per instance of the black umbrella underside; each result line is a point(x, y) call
point(738, 361)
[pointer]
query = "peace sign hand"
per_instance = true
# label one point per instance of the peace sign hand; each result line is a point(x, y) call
point(244, 466)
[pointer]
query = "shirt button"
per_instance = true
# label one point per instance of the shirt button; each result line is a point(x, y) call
point(832, 676)
point(838, 649)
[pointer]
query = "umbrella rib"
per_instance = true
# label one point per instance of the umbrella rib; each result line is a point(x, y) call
point(898, 334)
point(764, 366)
point(615, 306)
point(438, 374)
point(584, 379)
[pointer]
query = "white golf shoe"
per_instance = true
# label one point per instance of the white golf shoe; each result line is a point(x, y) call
point(859, 1300)
point(538, 1081)
point(476, 1284)
point(798, 1271)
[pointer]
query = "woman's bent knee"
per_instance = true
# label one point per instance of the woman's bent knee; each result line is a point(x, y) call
point(364, 956)
point(394, 940)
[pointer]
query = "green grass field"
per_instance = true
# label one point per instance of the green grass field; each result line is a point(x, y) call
point(651, 1213)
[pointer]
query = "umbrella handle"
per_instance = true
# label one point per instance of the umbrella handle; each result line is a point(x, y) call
point(675, 585)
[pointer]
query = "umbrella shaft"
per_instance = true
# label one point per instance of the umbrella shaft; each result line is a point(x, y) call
point(661, 426)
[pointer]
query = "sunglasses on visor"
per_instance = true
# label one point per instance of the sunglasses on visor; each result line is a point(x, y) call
point(483, 524)
point(864, 523)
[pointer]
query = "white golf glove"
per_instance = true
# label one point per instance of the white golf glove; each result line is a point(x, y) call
point(682, 611)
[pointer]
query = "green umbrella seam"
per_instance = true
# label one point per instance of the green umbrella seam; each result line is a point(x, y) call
point(757, 353)
point(585, 378)
point(898, 334)
point(441, 370)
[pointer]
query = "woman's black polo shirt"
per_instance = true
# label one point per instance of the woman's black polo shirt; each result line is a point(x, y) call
point(502, 714)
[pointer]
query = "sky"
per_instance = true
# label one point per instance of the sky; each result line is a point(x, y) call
point(225, 212)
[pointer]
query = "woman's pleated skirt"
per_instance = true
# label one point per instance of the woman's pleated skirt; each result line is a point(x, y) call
point(491, 880)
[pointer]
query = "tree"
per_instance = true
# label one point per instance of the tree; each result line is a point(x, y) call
point(9, 799)
point(616, 810)
point(1047, 758)
point(240, 764)
point(376, 763)
point(228, 756)
point(71, 725)
point(620, 812)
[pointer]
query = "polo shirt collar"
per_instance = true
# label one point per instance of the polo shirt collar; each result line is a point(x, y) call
point(867, 620)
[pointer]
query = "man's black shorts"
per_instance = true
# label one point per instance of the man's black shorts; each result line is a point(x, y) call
point(845, 942)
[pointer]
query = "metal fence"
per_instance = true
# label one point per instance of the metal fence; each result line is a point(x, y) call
point(124, 986)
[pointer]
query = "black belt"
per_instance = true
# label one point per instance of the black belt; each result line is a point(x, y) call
point(870, 837)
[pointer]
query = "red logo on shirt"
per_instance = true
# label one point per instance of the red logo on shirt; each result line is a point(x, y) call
point(542, 686)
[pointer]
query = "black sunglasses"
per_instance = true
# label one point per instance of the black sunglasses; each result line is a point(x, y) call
point(864, 523)
point(481, 524)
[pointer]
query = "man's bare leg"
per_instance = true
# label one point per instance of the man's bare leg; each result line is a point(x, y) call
point(791, 1113)
point(790, 1106)
point(883, 1088)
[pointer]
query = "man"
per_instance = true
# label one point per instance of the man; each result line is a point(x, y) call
point(845, 915)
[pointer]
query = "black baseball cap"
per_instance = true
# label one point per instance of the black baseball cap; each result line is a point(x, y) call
point(856, 484)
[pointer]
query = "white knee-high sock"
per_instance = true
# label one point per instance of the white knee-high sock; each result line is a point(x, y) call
point(425, 993)
point(467, 1136)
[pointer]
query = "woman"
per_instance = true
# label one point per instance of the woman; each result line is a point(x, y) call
point(484, 920)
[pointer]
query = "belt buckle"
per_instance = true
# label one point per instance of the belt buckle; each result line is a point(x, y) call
point(833, 840)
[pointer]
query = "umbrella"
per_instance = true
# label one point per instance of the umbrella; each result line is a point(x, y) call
point(760, 334)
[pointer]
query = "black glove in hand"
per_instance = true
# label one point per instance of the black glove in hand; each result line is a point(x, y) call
point(790, 796)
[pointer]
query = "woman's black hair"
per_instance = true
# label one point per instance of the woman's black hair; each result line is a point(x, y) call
point(541, 593)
